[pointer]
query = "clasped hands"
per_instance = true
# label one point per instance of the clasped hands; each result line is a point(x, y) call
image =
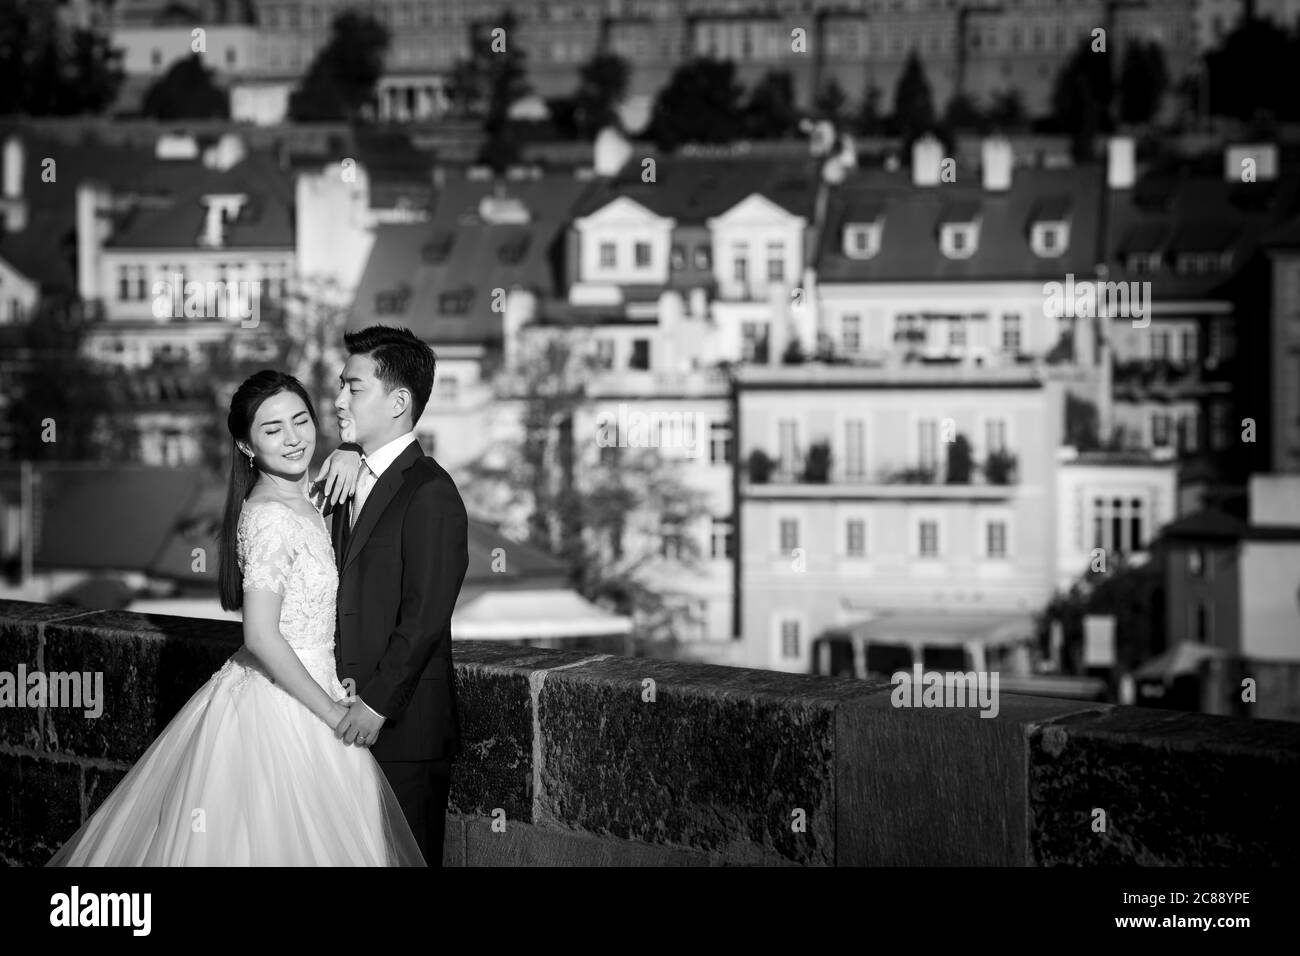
point(355, 723)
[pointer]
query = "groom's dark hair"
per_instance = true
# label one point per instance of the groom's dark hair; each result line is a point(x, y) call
point(401, 361)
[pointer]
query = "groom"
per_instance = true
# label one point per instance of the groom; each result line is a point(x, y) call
point(401, 550)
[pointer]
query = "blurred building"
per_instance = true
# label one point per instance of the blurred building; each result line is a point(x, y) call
point(889, 518)
point(262, 48)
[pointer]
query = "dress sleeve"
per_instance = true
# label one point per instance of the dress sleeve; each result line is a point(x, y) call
point(265, 553)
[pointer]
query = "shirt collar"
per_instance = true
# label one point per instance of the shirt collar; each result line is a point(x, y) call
point(385, 455)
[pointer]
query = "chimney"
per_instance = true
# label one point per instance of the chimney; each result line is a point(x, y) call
point(89, 241)
point(1121, 165)
point(610, 152)
point(228, 151)
point(521, 306)
point(179, 146)
point(12, 203)
point(14, 163)
point(996, 162)
point(927, 156)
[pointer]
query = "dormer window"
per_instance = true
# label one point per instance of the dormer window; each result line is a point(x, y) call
point(862, 239)
point(958, 240)
point(1049, 239)
point(959, 230)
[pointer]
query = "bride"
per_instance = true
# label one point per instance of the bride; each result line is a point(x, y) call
point(249, 772)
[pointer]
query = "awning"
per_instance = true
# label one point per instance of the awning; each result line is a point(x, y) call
point(529, 614)
point(1183, 658)
point(922, 629)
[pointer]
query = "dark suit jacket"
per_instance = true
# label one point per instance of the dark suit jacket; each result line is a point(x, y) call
point(400, 572)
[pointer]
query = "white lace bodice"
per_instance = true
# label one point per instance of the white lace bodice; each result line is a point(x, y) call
point(291, 554)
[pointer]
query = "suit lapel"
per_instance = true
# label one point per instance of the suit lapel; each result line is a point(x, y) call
point(339, 532)
point(380, 495)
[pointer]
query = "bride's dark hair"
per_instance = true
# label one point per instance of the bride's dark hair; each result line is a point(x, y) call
point(248, 398)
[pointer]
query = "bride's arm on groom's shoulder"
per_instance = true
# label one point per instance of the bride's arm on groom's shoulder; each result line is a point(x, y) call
point(337, 478)
point(435, 557)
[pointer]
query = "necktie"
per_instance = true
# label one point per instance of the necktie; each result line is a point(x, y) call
point(365, 481)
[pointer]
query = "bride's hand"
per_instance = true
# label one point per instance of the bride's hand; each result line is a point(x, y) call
point(338, 711)
point(337, 478)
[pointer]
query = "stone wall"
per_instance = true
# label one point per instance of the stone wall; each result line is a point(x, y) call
point(588, 759)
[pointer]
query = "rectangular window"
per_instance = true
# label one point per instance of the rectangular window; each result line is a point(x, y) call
point(789, 534)
point(642, 253)
point(996, 539)
point(927, 444)
point(1189, 346)
point(855, 449)
point(1011, 333)
point(851, 332)
point(605, 353)
point(740, 263)
point(1189, 432)
point(1119, 524)
point(995, 435)
point(720, 443)
point(855, 545)
point(1159, 344)
point(672, 540)
point(723, 542)
point(775, 262)
point(790, 639)
point(787, 445)
point(928, 544)
point(753, 341)
point(131, 283)
point(608, 256)
point(1200, 621)
point(640, 354)
point(956, 332)
point(1160, 428)
point(1218, 425)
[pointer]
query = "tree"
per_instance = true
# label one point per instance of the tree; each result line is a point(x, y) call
point(770, 112)
point(963, 115)
point(1081, 98)
point(605, 520)
point(186, 91)
point(869, 118)
point(62, 403)
point(602, 84)
point(504, 76)
point(701, 103)
point(913, 104)
point(830, 101)
point(1007, 112)
point(1253, 72)
point(960, 462)
point(48, 68)
point(465, 87)
point(1143, 81)
point(340, 83)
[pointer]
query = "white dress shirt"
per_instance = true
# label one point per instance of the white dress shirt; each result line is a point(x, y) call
point(377, 463)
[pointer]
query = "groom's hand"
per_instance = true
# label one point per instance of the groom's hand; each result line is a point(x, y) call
point(361, 726)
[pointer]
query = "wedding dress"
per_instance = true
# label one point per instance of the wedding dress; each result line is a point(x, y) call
point(245, 774)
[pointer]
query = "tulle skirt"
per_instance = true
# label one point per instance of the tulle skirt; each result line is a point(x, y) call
point(245, 775)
